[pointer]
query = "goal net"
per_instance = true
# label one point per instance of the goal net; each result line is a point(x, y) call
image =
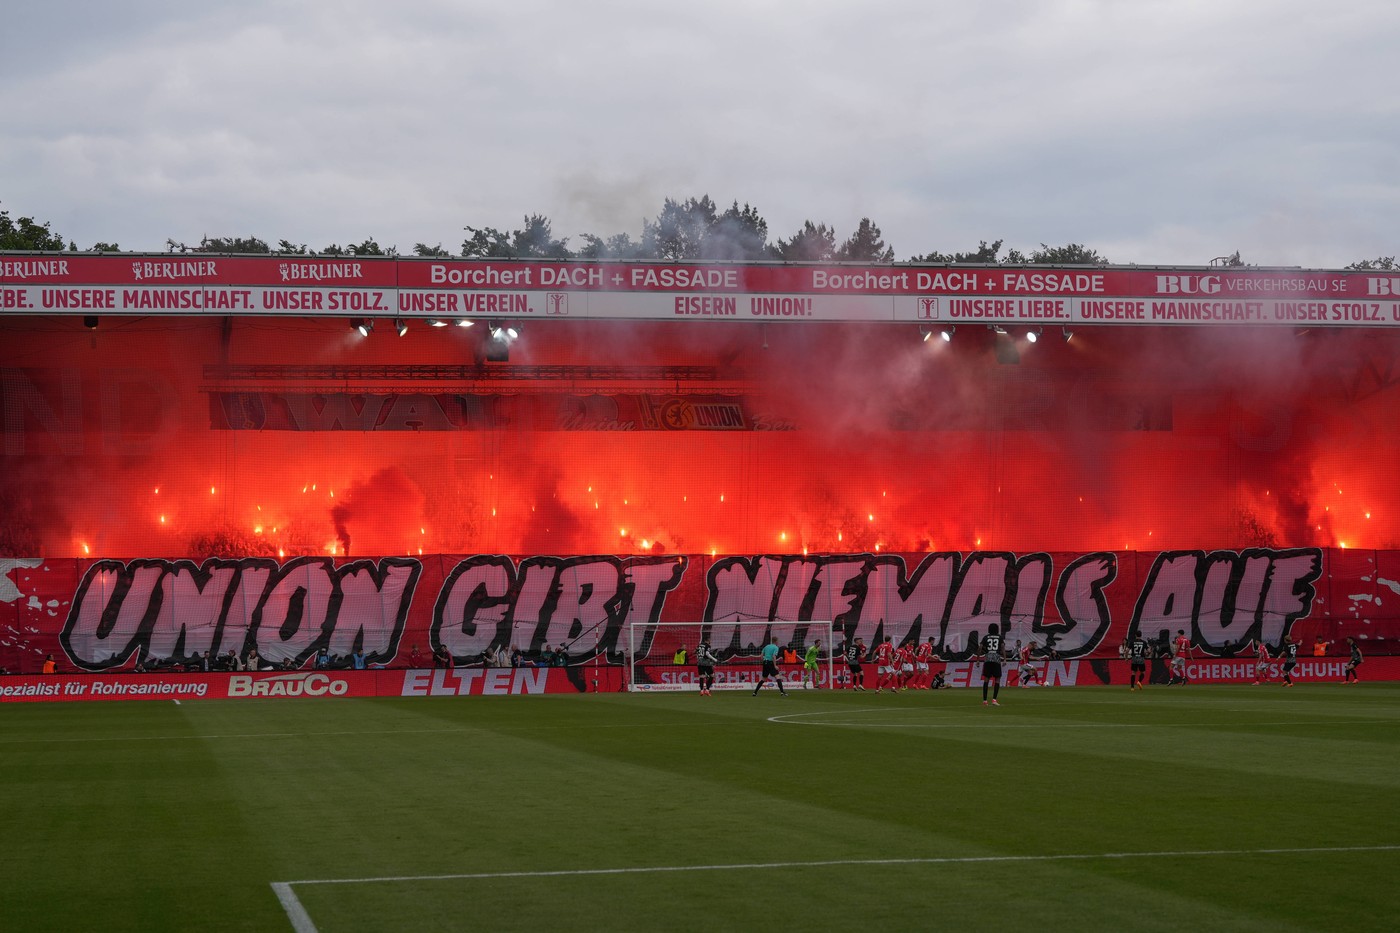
point(661, 656)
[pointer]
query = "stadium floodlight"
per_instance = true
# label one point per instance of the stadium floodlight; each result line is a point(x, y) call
point(463, 322)
point(512, 332)
point(948, 332)
point(997, 329)
point(1067, 333)
point(655, 665)
point(436, 322)
point(1033, 334)
point(496, 332)
point(924, 333)
point(363, 325)
point(401, 326)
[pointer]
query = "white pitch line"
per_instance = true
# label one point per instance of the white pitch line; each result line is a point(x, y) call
point(301, 920)
point(827, 863)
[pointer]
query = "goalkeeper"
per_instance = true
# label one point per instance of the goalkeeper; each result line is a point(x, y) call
point(809, 664)
point(705, 661)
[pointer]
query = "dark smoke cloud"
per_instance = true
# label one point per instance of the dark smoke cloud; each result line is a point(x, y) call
point(376, 511)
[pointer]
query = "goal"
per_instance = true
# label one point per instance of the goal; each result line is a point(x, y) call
point(655, 661)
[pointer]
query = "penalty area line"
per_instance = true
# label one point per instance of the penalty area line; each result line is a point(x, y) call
point(301, 920)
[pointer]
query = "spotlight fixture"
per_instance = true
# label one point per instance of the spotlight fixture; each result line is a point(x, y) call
point(1067, 333)
point(363, 325)
point(498, 347)
point(948, 332)
point(401, 326)
point(463, 322)
point(511, 331)
point(90, 322)
point(1033, 334)
point(437, 322)
point(924, 333)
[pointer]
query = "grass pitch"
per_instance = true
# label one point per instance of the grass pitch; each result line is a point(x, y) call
point(1226, 808)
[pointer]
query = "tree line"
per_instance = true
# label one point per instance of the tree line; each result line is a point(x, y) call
point(682, 231)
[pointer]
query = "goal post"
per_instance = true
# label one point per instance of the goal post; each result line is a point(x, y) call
point(661, 655)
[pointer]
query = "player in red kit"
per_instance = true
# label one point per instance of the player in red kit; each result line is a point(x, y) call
point(884, 665)
point(1261, 664)
point(922, 656)
point(1029, 673)
point(1181, 653)
point(904, 662)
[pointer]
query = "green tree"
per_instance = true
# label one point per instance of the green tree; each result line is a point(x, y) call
point(423, 249)
point(1071, 254)
point(813, 243)
point(234, 244)
point(100, 247)
point(678, 233)
point(487, 243)
point(618, 246)
point(865, 245)
point(737, 234)
point(985, 253)
point(288, 248)
point(536, 240)
point(368, 248)
point(25, 234)
point(371, 247)
point(1382, 263)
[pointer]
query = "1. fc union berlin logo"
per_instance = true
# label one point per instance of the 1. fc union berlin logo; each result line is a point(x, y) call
point(677, 414)
point(928, 309)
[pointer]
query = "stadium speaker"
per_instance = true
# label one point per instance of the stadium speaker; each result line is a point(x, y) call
point(90, 322)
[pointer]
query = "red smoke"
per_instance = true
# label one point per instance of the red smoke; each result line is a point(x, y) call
point(1122, 438)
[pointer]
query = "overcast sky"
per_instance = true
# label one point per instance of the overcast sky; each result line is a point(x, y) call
point(1155, 132)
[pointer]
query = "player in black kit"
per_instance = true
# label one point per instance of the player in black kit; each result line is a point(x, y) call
point(991, 664)
point(705, 662)
point(1290, 659)
point(1137, 657)
point(1352, 677)
point(855, 653)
